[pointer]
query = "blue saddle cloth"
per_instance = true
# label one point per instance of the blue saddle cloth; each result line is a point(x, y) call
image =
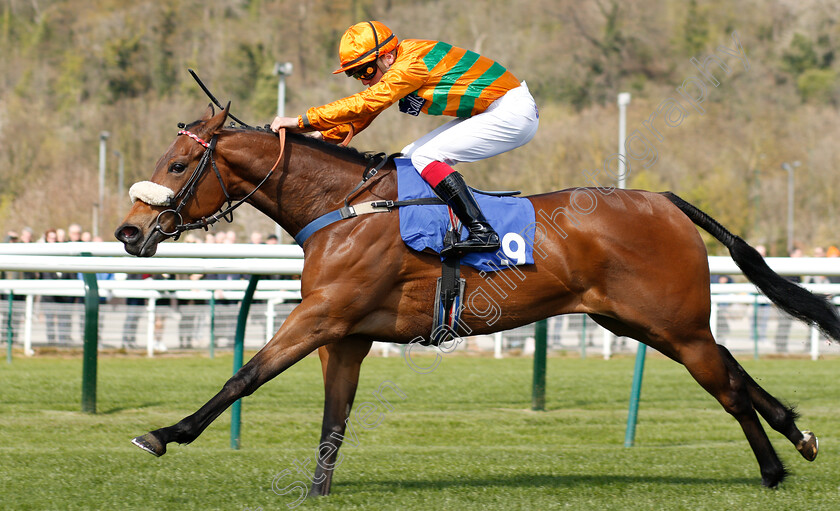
point(423, 227)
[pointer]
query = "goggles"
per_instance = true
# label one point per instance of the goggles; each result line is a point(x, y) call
point(364, 72)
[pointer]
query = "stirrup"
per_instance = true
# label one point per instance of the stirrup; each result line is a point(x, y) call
point(473, 244)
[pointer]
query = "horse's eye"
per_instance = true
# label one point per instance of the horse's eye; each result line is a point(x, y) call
point(177, 168)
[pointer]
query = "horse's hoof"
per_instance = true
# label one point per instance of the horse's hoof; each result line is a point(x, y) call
point(808, 446)
point(150, 443)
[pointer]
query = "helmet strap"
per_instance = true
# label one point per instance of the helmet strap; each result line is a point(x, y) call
point(375, 41)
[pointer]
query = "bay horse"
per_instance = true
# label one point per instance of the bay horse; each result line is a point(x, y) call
point(635, 264)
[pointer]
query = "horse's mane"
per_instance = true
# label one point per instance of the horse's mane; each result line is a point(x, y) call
point(334, 149)
point(337, 150)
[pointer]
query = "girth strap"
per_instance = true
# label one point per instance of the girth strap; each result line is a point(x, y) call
point(321, 222)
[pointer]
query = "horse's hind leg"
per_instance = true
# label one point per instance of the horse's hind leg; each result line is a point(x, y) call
point(341, 363)
point(778, 416)
point(730, 387)
point(706, 364)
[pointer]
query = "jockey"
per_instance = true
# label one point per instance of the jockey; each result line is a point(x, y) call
point(494, 112)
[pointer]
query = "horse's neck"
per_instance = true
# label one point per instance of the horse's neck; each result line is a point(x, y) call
point(308, 183)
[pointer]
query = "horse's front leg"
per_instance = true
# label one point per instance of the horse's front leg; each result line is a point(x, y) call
point(306, 329)
point(341, 363)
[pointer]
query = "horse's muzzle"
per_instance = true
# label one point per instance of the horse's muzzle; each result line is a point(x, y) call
point(135, 242)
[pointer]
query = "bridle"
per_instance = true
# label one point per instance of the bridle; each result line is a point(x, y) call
point(177, 202)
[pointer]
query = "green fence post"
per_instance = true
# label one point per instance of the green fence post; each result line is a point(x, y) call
point(9, 331)
point(635, 395)
point(540, 353)
point(91, 342)
point(238, 351)
point(212, 323)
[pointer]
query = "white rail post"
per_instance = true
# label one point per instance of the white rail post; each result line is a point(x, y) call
point(151, 303)
point(27, 326)
point(608, 337)
point(815, 343)
point(497, 345)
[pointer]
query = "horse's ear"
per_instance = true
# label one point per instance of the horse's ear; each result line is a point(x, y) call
point(217, 122)
point(209, 113)
point(226, 111)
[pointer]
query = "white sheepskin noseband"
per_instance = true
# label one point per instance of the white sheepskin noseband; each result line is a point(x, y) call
point(152, 194)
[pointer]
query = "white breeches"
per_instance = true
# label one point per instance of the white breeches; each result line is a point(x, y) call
point(509, 122)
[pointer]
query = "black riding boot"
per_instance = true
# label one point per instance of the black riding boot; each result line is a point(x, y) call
point(454, 191)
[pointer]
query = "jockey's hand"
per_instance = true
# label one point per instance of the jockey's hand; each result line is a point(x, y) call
point(314, 134)
point(290, 123)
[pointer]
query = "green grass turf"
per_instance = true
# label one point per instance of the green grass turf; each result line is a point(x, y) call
point(464, 438)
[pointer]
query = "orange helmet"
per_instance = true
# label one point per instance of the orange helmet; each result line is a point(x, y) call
point(364, 42)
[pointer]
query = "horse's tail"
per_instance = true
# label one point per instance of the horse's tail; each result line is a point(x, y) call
point(793, 299)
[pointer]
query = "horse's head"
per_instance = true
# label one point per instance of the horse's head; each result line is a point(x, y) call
point(184, 188)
